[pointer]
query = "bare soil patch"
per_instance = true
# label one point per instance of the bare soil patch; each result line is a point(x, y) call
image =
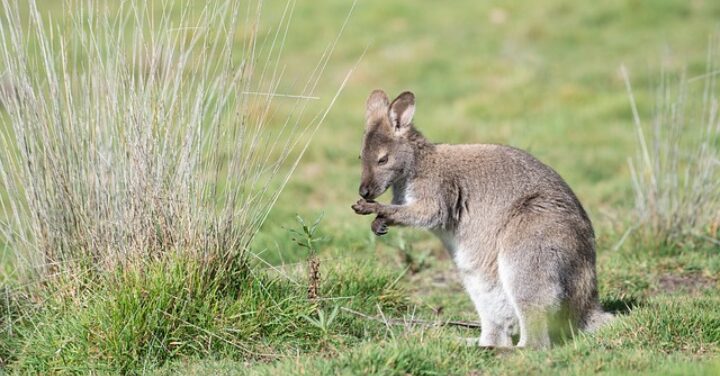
point(687, 283)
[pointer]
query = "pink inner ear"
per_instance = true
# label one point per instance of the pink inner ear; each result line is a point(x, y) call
point(377, 100)
point(407, 116)
point(374, 117)
point(394, 119)
point(401, 114)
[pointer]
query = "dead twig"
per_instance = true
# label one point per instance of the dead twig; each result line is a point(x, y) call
point(313, 277)
point(405, 322)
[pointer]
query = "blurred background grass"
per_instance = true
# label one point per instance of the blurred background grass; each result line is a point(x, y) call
point(544, 77)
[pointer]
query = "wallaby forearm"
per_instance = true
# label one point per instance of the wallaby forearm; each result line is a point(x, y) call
point(412, 215)
point(421, 214)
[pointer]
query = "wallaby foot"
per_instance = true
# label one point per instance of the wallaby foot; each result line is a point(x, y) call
point(475, 342)
point(493, 335)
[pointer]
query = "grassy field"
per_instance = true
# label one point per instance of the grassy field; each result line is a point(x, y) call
point(544, 77)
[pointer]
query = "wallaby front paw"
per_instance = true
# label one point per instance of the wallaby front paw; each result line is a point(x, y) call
point(379, 226)
point(364, 207)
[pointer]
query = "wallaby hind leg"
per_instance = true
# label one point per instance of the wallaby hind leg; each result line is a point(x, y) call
point(494, 334)
point(534, 331)
point(497, 315)
point(533, 292)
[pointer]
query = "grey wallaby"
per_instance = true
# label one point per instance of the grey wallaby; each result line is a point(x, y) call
point(519, 237)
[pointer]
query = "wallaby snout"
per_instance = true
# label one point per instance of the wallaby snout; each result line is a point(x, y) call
point(372, 185)
point(365, 191)
point(375, 181)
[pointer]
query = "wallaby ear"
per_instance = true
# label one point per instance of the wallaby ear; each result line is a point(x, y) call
point(376, 107)
point(402, 110)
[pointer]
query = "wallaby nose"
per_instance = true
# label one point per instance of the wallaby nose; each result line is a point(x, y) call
point(364, 191)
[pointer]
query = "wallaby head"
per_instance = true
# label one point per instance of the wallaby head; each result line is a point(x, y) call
point(389, 144)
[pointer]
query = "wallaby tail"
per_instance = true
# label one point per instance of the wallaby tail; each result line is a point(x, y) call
point(596, 319)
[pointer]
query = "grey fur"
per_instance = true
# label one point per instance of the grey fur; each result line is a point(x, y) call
point(521, 240)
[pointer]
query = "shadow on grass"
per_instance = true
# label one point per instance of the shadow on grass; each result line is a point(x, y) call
point(621, 306)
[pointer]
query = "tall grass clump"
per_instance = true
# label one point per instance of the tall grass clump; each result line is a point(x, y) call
point(132, 134)
point(141, 148)
point(676, 172)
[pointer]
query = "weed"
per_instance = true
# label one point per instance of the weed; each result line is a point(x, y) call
point(323, 322)
point(307, 238)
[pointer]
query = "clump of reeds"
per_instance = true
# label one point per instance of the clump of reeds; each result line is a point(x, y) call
point(132, 134)
point(676, 172)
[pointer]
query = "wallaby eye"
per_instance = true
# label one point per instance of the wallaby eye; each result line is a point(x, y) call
point(383, 160)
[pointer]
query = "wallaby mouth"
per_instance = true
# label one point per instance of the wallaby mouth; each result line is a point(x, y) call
point(371, 191)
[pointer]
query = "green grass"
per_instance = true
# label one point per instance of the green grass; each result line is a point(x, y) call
point(177, 309)
point(544, 77)
point(674, 334)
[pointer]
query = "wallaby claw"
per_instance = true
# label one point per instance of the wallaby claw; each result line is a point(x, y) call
point(379, 226)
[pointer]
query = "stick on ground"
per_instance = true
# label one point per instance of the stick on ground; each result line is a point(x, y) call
point(393, 321)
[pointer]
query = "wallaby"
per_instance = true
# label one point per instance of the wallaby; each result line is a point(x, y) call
point(519, 237)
